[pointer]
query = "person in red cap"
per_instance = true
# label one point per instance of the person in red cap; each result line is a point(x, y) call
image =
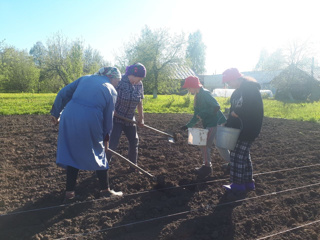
point(246, 113)
point(207, 109)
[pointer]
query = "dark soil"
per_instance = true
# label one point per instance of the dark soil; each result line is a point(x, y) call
point(285, 205)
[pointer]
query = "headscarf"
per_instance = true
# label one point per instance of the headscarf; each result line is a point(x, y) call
point(137, 70)
point(110, 72)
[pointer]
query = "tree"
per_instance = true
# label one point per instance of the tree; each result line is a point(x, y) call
point(272, 62)
point(196, 52)
point(295, 84)
point(38, 51)
point(92, 61)
point(75, 60)
point(156, 50)
point(2, 65)
point(296, 52)
point(64, 61)
point(299, 53)
point(20, 73)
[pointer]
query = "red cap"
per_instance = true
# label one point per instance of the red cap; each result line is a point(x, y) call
point(192, 82)
point(230, 74)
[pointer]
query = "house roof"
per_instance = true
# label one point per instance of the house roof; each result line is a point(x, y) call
point(180, 71)
point(263, 77)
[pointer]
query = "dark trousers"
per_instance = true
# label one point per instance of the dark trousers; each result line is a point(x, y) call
point(72, 174)
point(132, 136)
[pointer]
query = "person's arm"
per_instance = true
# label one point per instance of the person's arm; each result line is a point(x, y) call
point(63, 97)
point(140, 113)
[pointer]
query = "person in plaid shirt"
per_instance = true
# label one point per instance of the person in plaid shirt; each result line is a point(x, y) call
point(246, 113)
point(130, 95)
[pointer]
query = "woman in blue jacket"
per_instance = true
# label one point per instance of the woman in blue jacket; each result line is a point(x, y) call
point(246, 113)
point(84, 110)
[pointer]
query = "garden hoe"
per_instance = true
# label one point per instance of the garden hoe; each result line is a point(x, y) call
point(171, 138)
point(133, 165)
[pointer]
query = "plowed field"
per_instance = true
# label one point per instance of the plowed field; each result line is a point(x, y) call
point(285, 205)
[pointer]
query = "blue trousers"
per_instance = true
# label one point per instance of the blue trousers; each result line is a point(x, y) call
point(132, 136)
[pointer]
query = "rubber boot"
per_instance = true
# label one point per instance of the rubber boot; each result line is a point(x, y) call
point(204, 171)
point(234, 187)
point(250, 186)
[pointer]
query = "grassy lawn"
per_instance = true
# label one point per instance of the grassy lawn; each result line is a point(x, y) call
point(33, 103)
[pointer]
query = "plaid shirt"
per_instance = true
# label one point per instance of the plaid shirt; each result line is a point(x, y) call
point(129, 96)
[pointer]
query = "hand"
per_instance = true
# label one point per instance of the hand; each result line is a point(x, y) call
point(54, 120)
point(233, 114)
point(183, 128)
point(140, 123)
point(106, 146)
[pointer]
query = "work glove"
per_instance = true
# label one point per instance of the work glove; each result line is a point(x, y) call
point(183, 128)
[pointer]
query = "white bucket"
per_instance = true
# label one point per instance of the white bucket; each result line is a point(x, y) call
point(197, 136)
point(227, 137)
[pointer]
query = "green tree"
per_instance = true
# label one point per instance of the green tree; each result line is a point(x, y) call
point(92, 61)
point(196, 52)
point(38, 51)
point(20, 73)
point(157, 50)
point(64, 61)
point(75, 60)
point(2, 65)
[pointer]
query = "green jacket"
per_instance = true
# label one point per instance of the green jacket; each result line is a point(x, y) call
point(205, 107)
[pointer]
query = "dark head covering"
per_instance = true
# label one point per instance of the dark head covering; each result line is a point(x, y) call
point(110, 72)
point(137, 70)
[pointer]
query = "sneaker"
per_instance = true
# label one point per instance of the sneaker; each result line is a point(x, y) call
point(204, 170)
point(250, 186)
point(110, 193)
point(70, 197)
point(233, 187)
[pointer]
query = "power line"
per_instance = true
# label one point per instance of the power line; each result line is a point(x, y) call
point(192, 210)
point(151, 191)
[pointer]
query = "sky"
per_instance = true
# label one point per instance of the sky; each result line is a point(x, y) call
point(233, 31)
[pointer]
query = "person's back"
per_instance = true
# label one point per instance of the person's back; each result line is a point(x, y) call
point(94, 90)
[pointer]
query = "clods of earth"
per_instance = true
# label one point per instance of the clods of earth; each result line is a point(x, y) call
point(285, 204)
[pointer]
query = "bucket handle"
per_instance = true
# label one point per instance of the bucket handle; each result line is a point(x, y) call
point(241, 124)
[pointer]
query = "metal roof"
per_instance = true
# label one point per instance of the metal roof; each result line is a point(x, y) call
point(180, 71)
point(263, 77)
